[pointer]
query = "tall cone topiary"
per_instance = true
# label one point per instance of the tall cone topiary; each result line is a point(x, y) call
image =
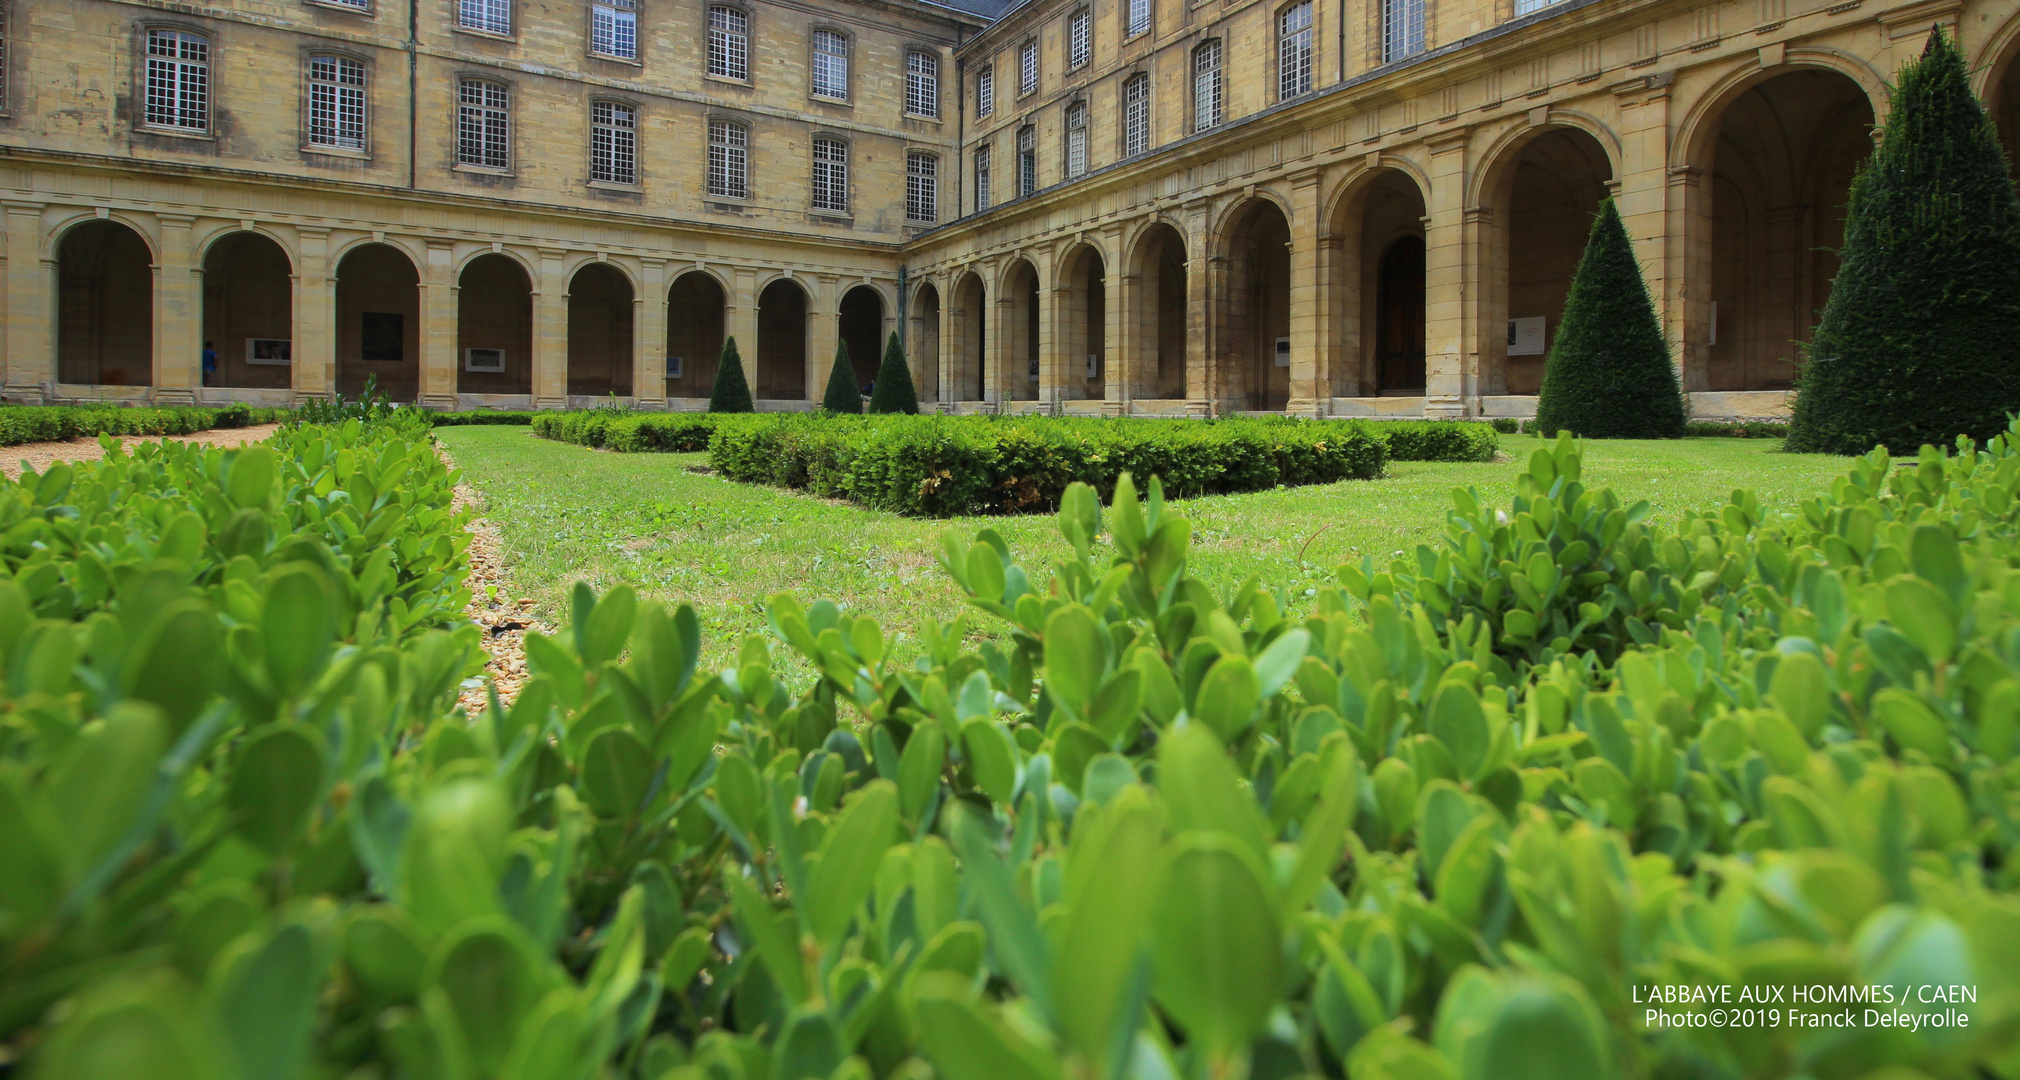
point(894, 392)
point(843, 395)
point(731, 393)
point(1608, 375)
point(1920, 339)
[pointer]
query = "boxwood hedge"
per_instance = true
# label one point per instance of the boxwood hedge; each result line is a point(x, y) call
point(49, 423)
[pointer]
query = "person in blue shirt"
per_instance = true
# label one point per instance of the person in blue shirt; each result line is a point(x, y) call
point(209, 363)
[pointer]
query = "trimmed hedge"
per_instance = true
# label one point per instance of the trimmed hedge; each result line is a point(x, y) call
point(485, 417)
point(629, 432)
point(50, 423)
point(1695, 429)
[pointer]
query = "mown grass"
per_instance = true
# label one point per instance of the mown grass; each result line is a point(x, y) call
point(658, 523)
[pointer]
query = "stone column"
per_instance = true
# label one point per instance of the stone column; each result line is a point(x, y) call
point(953, 339)
point(1451, 283)
point(1003, 330)
point(1120, 363)
point(824, 329)
point(550, 332)
point(1204, 281)
point(178, 315)
point(440, 358)
point(648, 336)
point(315, 313)
point(740, 316)
point(1062, 364)
point(1644, 195)
point(28, 350)
point(1308, 383)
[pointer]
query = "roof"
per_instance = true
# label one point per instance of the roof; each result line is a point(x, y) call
point(983, 9)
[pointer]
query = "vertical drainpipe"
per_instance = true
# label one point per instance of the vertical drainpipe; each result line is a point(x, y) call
point(413, 88)
point(1343, 41)
point(960, 125)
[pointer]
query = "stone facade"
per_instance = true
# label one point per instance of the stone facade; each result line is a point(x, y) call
point(1333, 207)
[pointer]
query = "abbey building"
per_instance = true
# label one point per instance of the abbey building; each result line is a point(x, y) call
point(1121, 207)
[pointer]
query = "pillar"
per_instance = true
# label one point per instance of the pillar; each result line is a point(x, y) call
point(1204, 280)
point(1644, 195)
point(315, 309)
point(28, 348)
point(953, 339)
point(648, 336)
point(439, 360)
point(1451, 283)
point(550, 331)
point(1308, 396)
point(178, 314)
point(740, 319)
point(824, 330)
point(1120, 365)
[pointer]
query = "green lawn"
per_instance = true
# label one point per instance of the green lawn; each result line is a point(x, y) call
point(658, 523)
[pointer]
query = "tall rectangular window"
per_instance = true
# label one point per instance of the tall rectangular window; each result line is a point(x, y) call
point(981, 179)
point(728, 159)
point(613, 28)
point(1076, 139)
point(613, 142)
point(1206, 86)
point(922, 187)
point(728, 43)
point(985, 90)
point(1294, 51)
point(1027, 160)
point(1136, 115)
point(1079, 38)
point(490, 16)
point(1402, 29)
point(483, 124)
point(336, 102)
point(922, 83)
point(831, 174)
point(831, 65)
point(1139, 16)
point(178, 80)
point(1027, 67)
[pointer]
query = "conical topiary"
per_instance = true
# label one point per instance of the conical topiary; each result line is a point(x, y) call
point(732, 392)
point(843, 395)
point(1608, 374)
point(894, 392)
point(1920, 339)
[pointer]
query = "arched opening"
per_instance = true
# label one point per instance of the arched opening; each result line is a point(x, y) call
point(862, 329)
point(923, 355)
point(494, 327)
point(694, 333)
point(1084, 325)
point(971, 343)
point(1399, 319)
point(1161, 314)
point(1255, 350)
point(599, 331)
point(1781, 171)
point(2003, 98)
point(1551, 192)
point(1377, 297)
point(378, 322)
point(782, 342)
point(105, 305)
point(1018, 381)
point(248, 313)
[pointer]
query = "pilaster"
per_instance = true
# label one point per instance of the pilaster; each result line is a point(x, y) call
point(740, 315)
point(648, 336)
point(1307, 286)
point(314, 348)
point(178, 314)
point(1452, 269)
point(28, 350)
point(439, 304)
point(550, 332)
point(824, 330)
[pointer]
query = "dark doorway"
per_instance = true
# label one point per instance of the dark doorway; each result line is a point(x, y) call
point(694, 335)
point(599, 332)
point(1399, 318)
point(105, 304)
point(378, 322)
point(862, 330)
point(782, 342)
point(494, 327)
point(248, 312)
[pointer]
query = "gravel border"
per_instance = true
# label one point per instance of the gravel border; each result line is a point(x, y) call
point(504, 620)
point(40, 455)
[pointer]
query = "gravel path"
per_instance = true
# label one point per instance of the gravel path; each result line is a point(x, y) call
point(40, 455)
point(505, 620)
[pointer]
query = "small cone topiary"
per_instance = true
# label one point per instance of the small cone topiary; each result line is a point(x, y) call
point(894, 392)
point(1920, 339)
point(843, 395)
point(731, 393)
point(1608, 375)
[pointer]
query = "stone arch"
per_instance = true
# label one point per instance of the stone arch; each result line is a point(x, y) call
point(1082, 331)
point(1018, 310)
point(1998, 77)
point(525, 265)
point(1503, 156)
point(218, 236)
point(696, 308)
point(860, 324)
point(1253, 308)
point(782, 341)
point(248, 311)
point(1161, 304)
point(1237, 213)
point(494, 325)
point(378, 320)
point(105, 305)
point(414, 256)
point(922, 339)
point(969, 327)
point(1375, 339)
point(1697, 135)
point(53, 241)
point(600, 330)
point(1354, 186)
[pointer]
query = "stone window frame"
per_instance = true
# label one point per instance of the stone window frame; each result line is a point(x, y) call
point(637, 180)
point(750, 38)
point(308, 53)
point(939, 82)
point(1030, 42)
point(1192, 73)
point(492, 76)
point(1027, 153)
point(722, 116)
point(986, 68)
point(848, 163)
point(212, 98)
point(1314, 37)
point(848, 98)
point(1131, 77)
point(368, 9)
point(1380, 36)
point(1129, 31)
point(637, 57)
point(916, 153)
point(985, 176)
point(1077, 105)
point(1079, 17)
point(458, 26)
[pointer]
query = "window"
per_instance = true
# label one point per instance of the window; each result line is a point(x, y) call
point(1136, 116)
point(1402, 29)
point(336, 102)
point(1079, 38)
point(613, 142)
point(613, 28)
point(728, 43)
point(985, 91)
point(1206, 86)
point(1139, 16)
point(1294, 51)
point(728, 159)
point(922, 187)
point(483, 118)
point(1524, 7)
point(178, 80)
point(489, 16)
point(361, 5)
point(1027, 67)
point(1076, 139)
point(1027, 160)
point(831, 65)
point(831, 174)
point(922, 83)
point(981, 179)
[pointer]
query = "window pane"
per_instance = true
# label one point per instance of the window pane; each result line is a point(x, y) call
point(1294, 51)
point(1206, 88)
point(922, 196)
point(831, 174)
point(337, 102)
point(1080, 34)
point(1402, 29)
point(831, 64)
point(728, 43)
point(613, 143)
point(490, 16)
point(483, 125)
point(178, 80)
point(1027, 161)
point(922, 84)
point(1076, 140)
point(1136, 116)
point(1139, 16)
point(728, 159)
point(613, 29)
point(1027, 68)
point(985, 92)
point(981, 179)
